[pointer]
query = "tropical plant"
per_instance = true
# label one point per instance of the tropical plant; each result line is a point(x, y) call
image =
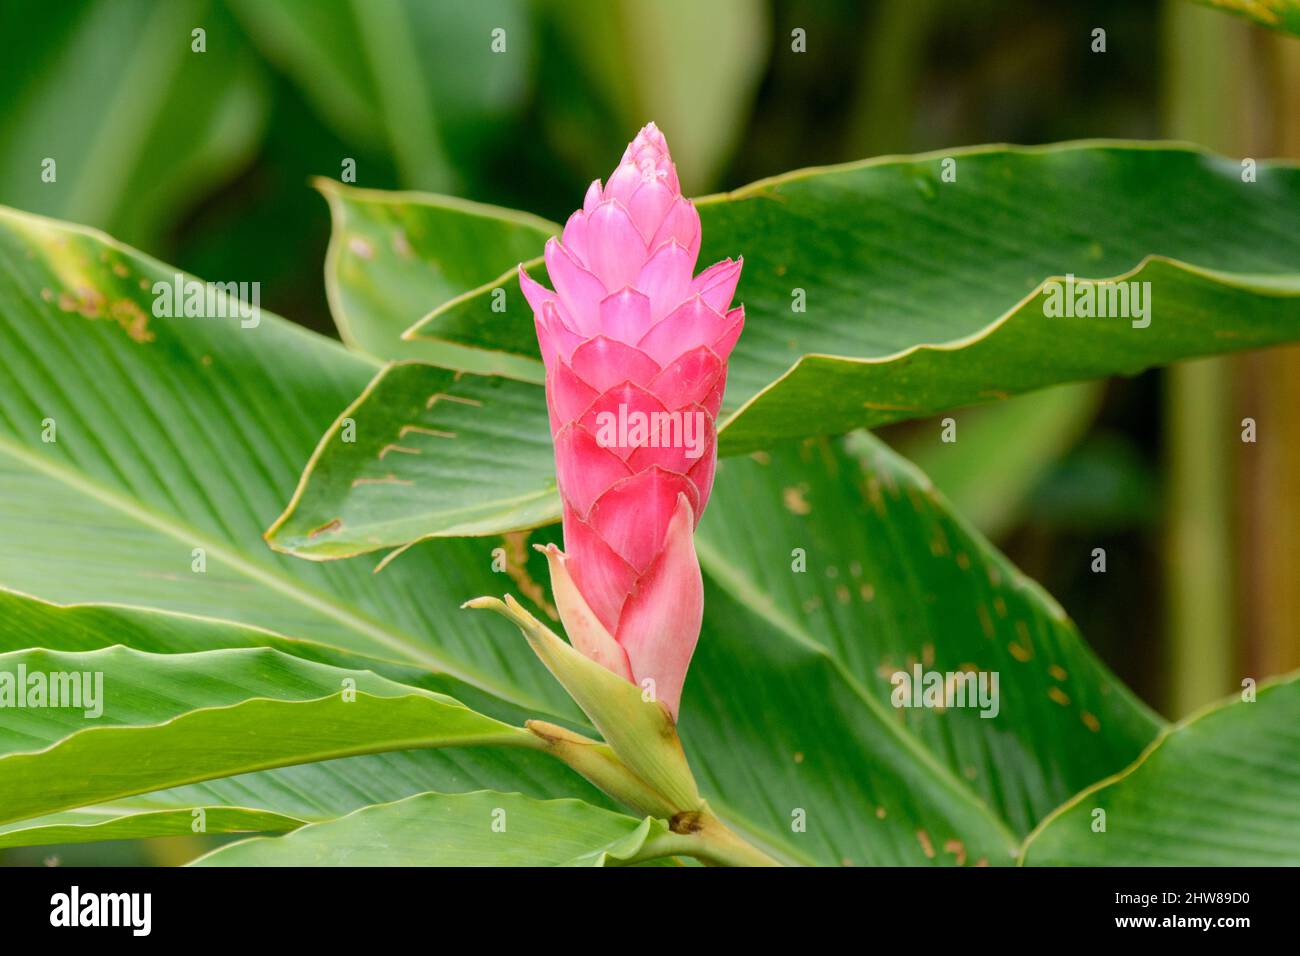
point(254, 543)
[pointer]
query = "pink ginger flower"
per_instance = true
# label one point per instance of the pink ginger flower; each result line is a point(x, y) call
point(635, 347)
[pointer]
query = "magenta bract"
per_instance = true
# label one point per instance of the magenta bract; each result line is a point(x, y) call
point(636, 350)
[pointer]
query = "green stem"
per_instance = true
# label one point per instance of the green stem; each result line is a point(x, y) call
point(720, 845)
point(700, 834)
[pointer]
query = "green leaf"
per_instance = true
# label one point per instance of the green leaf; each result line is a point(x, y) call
point(394, 256)
point(893, 580)
point(1281, 15)
point(424, 450)
point(922, 295)
point(1221, 788)
point(111, 822)
point(469, 829)
point(177, 440)
point(136, 123)
point(312, 793)
point(200, 716)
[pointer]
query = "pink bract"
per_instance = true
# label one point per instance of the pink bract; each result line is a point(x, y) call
point(631, 337)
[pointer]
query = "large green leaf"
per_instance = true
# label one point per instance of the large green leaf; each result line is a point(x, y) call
point(118, 822)
point(198, 716)
point(177, 434)
point(892, 579)
point(394, 256)
point(1221, 788)
point(922, 295)
point(136, 122)
point(469, 829)
point(428, 453)
point(439, 451)
point(305, 793)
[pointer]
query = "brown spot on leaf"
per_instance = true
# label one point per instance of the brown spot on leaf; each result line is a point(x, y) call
point(329, 526)
point(516, 544)
point(794, 499)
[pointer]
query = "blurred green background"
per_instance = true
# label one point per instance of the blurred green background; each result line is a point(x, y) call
point(203, 160)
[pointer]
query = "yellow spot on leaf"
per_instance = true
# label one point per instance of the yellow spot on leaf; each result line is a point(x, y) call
point(794, 499)
point(957, 849)
point(516, 543)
